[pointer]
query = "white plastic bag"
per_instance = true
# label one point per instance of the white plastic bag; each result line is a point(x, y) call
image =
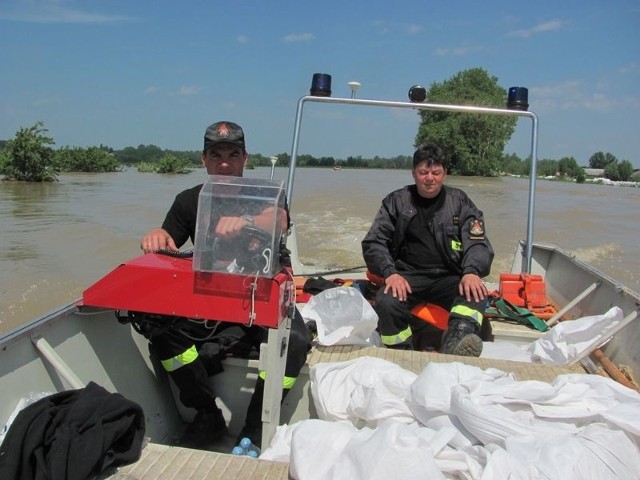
point(343, 317)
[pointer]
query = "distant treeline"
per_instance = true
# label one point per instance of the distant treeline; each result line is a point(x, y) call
point(153, 154)
point(509, 164)
point(31, 157)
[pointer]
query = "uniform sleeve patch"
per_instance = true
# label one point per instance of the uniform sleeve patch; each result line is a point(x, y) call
point(476, 230)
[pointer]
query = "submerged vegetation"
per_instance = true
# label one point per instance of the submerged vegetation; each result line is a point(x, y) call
point(169, 163)
point(28, 156)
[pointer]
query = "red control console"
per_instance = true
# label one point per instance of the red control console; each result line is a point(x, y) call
point(165, 285)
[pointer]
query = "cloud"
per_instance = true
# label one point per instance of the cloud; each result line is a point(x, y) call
point(242, 39)
point(570, 94)
point(182, 91)
point(52, 11)
point(550, 26)
point(385, 27)
point(632, 101)
point(413, 29)
point(630, 69)
point(457, 52)
point(191, 90)
point(299, 37)
point(598, 101)
point(558, 90)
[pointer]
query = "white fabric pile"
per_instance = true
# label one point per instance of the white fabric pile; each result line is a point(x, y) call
point(564, 344)
point(378, 421)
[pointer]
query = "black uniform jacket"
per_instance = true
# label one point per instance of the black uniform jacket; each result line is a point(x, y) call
point(458, 229)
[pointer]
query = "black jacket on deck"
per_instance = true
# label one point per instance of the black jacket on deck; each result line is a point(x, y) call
point(75, 434)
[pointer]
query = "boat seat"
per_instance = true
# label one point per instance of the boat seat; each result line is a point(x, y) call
point(428, 312)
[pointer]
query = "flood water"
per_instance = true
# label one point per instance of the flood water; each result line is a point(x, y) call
point(59, 238)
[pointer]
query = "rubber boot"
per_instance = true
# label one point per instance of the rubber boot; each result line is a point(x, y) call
point(207, 428)
point(461, 338)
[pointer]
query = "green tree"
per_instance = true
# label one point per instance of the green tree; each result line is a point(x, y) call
point(355, 162)
point(327, 161)
point(171, 164)
point(473, 142)
point(611, 171)
point(568, 167)
point(4, 159)
point(513, 164)
point(304, 160)
point(625, 170)
point(601, 160)
point(144, 167)
point(284, 159)
point(547, 167)
point(143, 153)
point(92, 159)
point(29, 156)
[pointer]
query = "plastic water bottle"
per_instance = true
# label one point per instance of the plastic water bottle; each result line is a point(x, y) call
point(246, 448)
point(249, 448)
point(237, 450)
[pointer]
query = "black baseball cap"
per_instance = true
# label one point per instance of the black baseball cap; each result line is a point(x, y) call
point(223, 132)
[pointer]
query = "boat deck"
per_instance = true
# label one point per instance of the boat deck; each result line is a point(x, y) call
point(416, 361)
point(162, 462)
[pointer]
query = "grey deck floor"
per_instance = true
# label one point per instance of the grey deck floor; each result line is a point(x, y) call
point(163, 462)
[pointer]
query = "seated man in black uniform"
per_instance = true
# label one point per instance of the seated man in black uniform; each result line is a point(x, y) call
point(428, 243)
point(182, 346)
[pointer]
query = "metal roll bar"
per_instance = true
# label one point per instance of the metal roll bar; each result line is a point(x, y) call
point(435, 107)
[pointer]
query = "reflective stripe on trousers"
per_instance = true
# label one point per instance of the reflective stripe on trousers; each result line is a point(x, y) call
point(464, 311)
point(398, 338)
point(185, 358)
point(287, 382)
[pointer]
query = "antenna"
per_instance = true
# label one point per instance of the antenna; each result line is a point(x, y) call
point(354, 86)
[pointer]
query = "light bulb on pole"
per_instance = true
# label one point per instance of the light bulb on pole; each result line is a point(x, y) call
point(354, 86)
point(274, 160)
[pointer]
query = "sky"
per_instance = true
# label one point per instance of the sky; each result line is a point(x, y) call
point(123, 73)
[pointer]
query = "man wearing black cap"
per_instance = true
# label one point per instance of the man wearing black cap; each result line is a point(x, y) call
point(224, 153)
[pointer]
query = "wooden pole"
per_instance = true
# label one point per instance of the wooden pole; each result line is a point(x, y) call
point(612, 370)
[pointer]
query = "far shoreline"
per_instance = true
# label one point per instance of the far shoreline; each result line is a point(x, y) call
point(594, 181)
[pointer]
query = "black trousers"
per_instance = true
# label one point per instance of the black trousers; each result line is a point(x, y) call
point(396, 321)
point(233, 339)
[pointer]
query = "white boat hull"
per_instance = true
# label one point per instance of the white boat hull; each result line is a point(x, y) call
point(77, 344)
